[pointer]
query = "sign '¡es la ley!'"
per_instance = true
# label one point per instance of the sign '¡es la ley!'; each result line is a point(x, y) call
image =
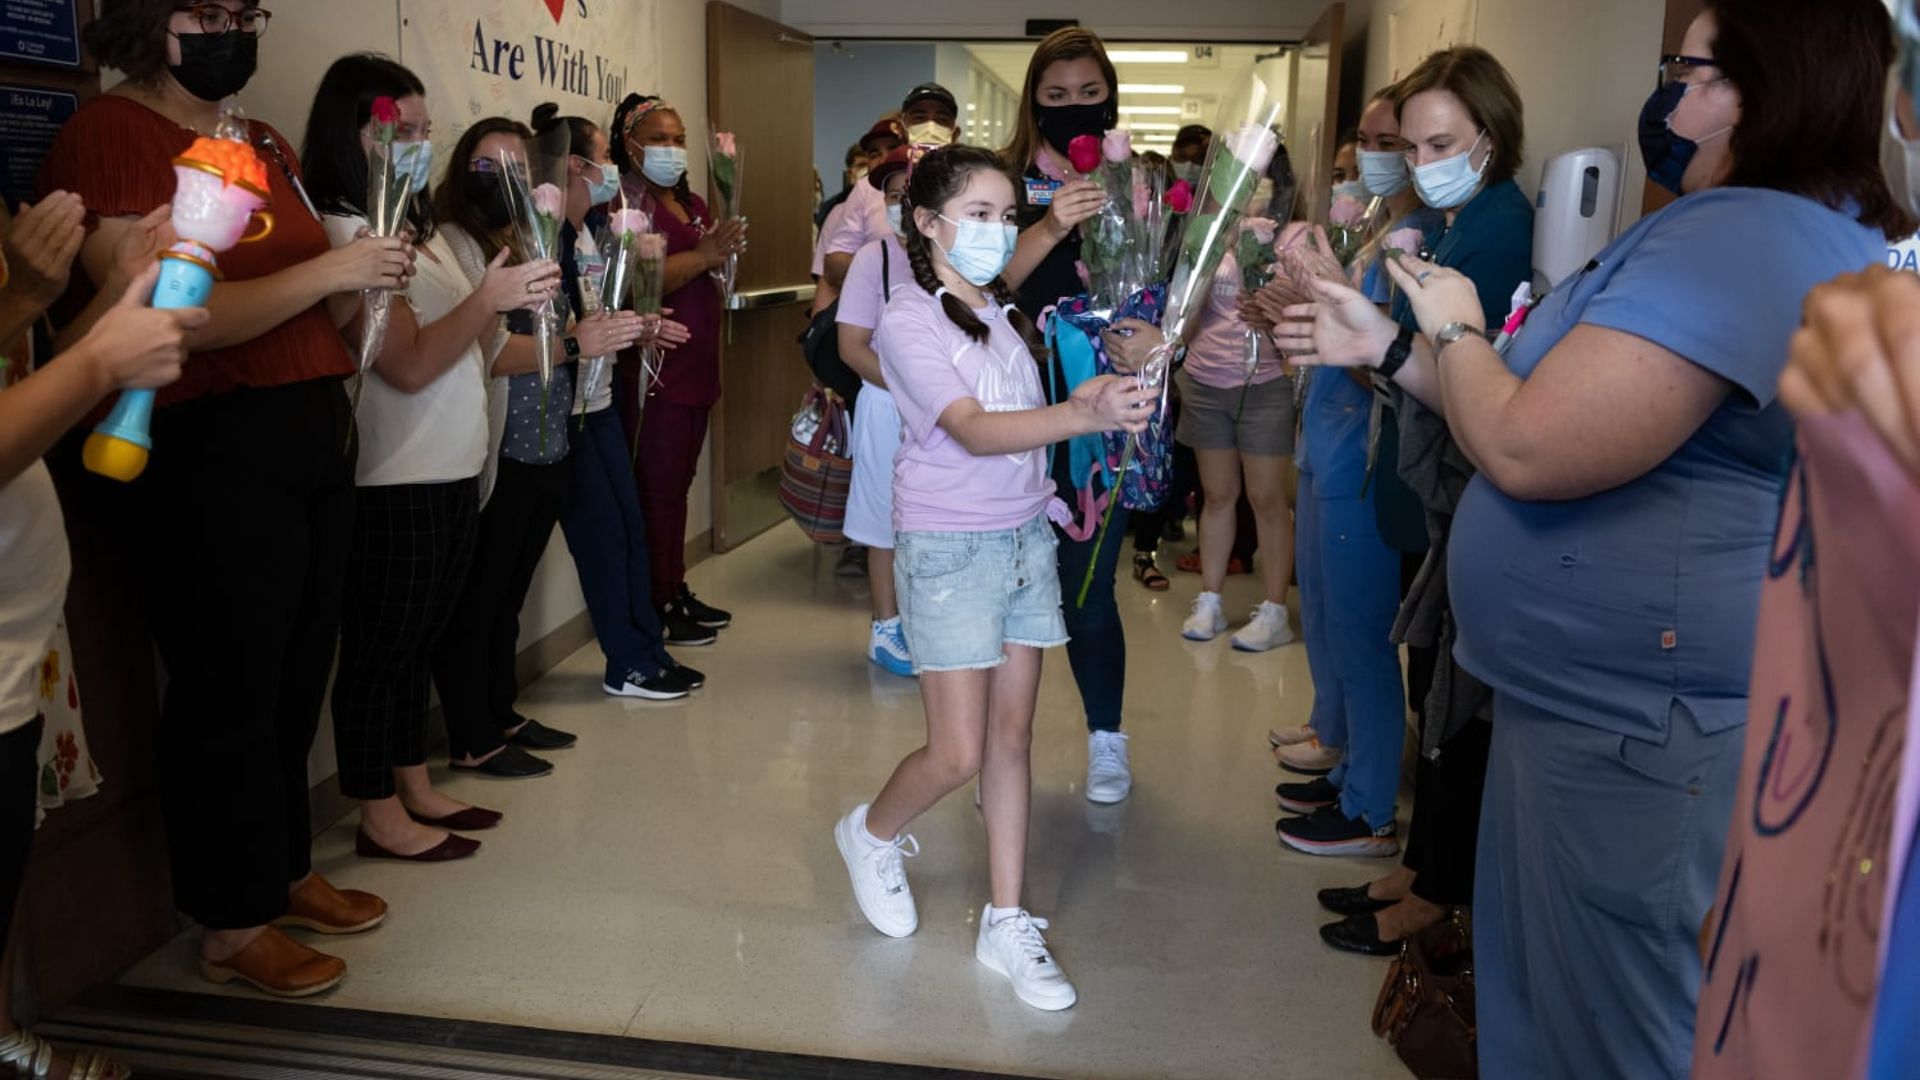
point(556, 64)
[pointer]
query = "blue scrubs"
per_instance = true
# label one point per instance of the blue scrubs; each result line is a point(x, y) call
point(1349, 593)
point(1616, 631)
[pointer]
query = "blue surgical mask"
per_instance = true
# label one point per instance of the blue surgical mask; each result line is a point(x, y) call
point(1384, 172)
point(664, 165)
point(896, 219)
point(981, 249)
point(1667, 153)
point(602, 190)
point(414, 160)
point(1450, 183)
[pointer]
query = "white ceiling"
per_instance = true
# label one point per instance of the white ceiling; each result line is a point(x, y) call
point(1209, 73)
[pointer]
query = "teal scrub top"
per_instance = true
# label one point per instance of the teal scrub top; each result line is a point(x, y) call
point(1608, 609)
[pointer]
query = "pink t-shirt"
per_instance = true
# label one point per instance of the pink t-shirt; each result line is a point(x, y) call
point(828, 229)
point(1794, 949)
point(930, 363)
point(864, 221)
point(862, 297)
point(1216, 355)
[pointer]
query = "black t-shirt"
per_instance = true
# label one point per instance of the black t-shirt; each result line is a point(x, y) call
point(1056, 275)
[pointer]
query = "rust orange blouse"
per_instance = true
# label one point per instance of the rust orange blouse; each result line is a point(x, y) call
point(117, 154)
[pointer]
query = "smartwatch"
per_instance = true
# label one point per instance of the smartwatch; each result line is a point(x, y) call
point(1397, 353)
point(572, 345)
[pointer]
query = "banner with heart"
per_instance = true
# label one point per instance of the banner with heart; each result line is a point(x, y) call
point(504, 57)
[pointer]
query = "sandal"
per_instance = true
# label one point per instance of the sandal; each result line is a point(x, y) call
point(30, 1056)
point(1146, 573)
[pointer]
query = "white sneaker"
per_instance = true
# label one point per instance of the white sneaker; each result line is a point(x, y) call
point(1268, 629)
point(1207, 620)
point(1109, 775)
point(1309, 758)
point(1014, 948)
point(879, 874)
point(887, 648)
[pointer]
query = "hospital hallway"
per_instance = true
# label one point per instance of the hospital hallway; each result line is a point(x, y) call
point(669, 901)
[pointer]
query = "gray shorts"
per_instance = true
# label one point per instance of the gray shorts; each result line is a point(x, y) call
point(1212, 418)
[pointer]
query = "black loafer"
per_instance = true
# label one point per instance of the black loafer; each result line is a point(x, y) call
point(1354, 901)
point(534, 735)
point(511, 763)
point(1358, 934)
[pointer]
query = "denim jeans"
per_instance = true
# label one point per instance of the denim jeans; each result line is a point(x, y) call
point(1097, 649)
point(608, 538)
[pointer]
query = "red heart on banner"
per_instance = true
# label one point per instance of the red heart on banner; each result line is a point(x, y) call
point(556, 6)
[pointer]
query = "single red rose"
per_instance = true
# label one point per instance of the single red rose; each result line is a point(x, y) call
point(385, 111)
point(1084, 153)
point(1180, 197)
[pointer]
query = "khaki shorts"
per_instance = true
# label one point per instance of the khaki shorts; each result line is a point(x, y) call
point(1212, 418)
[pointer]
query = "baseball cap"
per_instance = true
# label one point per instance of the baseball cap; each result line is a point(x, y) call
point(929, 90)
point(904, 157)
point(885, 129)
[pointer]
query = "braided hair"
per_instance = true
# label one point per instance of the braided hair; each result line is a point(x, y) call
point(624, 119)
point(937, 178)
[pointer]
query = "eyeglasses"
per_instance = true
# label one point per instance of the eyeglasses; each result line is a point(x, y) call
point(1676, 68)
point(215, 19)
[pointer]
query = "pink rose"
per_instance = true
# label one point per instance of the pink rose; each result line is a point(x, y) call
point(1408, 241)
point(549, 200)
point(1263, 229)
point(627, 222)
point(1118, 145)
point(725, 142)
point(1253, 146)
point(652, 245)
point(1347, 211)
point(1180, 197)
point(1084, 153)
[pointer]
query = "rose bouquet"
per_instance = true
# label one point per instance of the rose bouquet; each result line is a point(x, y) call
point(724, 152)
point(1256, 257)
point(590, 258)
point(1121, 243)
point(390, 170)
point(648, 285)
point(536, 186)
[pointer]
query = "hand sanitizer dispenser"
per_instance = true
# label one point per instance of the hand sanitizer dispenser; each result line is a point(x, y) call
point(1575, 214)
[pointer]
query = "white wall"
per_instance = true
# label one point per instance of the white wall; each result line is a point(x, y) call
point(1194, 20)
point(1584, 69)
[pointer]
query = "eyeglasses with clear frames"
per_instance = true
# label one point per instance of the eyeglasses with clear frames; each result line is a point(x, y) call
point(1678, 68)
point(215, 19)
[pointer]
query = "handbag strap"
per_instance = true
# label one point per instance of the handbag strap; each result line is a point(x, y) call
point(886, 269)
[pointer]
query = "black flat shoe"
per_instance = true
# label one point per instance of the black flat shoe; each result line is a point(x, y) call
point(534, 735)
point(1358, 934)
point(511, 763)
point(1354, 901)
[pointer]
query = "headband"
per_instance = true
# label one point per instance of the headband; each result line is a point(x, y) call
point(640, 110)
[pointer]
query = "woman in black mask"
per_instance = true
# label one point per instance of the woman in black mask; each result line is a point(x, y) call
point(239, 529)
point(1070, 89)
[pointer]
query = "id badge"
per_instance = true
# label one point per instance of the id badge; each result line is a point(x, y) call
point(1040, 190)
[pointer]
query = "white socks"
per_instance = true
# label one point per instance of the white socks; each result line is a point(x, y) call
point(995, 914)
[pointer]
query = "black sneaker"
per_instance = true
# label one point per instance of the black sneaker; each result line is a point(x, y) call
point(661, 687)
point(853, 562)
point(1327, 831)
point(1308, 797)
point(705, 614)
point(688, 677)
point(678, 628)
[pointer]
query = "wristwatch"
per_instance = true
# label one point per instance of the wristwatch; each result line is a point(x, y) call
point(1451, 333)
point(572, 345)
point(1397, 353)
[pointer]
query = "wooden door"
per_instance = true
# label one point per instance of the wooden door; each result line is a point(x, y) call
point(1313, 123)
point(760, 87)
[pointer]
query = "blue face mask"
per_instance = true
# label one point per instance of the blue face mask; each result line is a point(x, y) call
point(664, 165)
point(1384, 172)
point(414, 160)
point(1450, 183)
point(602, 188)
point(896, 220)
point(1666, 152)
point(981, 249)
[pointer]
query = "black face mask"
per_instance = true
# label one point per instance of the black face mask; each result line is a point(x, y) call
point(1061, 124)
point(216, 66)
point(488, 194)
